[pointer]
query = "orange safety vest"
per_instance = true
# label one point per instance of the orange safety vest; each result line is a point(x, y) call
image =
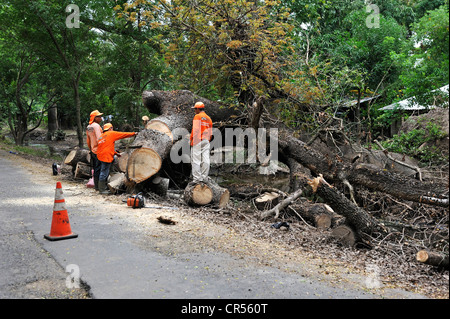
point(201, 128)
point(106, 144)
point(93, 133)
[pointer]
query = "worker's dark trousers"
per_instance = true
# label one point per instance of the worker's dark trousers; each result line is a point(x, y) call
point(96, 165)
point(104, 171)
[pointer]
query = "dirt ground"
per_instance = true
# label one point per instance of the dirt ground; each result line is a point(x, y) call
point(237, 231)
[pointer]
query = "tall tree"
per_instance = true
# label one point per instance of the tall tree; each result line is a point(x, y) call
point(425, 58)
point(25, 88)
point(225, 48)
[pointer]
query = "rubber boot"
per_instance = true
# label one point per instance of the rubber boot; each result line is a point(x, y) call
point(102, 188)
point(96, 183)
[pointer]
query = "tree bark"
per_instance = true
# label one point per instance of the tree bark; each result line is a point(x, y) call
point(356, 217)
point(77, 155)
point(433, 259)
point(397, 185)
point(336, 170)
point(318, 214)
point(282, 205)
point(174, 108)
point(82, 170)
point(205, 193)
point(152, 145)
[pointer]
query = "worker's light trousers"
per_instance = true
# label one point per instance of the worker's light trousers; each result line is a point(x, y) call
point(200, 161)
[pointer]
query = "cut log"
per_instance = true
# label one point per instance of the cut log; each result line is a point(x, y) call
point(78, 155)
point(116, 182)
point(147, 160)
point(122, 161)
point(175, 120)
point(83, 171)
point(355, 216)
point(267, 200)
point(433, 259)
point(318, 214)
point(168, 124)
point(205, 193)
point(344, 235)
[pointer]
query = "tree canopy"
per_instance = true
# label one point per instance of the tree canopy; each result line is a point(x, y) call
point(304, 57)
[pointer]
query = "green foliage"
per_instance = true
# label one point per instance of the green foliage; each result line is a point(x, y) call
point(425, 58)
point(306, 56)
point(414, 143)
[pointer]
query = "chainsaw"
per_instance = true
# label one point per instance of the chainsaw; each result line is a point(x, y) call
point(136, 201)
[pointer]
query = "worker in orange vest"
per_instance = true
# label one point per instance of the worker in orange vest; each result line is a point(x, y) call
point(106, 151)
point(200, 148)
point(93, 133)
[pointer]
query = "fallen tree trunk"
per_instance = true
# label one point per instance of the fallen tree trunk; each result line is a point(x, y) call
point(433, 259)
point(152, 145)
point(298, 174)
point(356, 217)
point(175, 120)
point(397, 185)
point(336, 170)
point(205, 193)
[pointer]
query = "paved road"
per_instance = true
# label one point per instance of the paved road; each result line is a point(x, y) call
point(114, 263)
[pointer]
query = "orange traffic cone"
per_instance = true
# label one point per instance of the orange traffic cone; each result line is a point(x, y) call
point(60, 223)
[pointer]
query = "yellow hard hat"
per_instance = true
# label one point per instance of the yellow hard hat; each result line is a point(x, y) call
point(107, 126)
